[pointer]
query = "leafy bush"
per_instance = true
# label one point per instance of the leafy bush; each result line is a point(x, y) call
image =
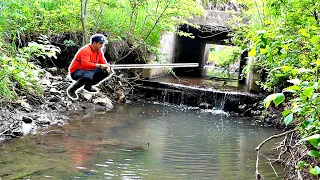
point(225, 56)
point(19, 73)
point(283, 39)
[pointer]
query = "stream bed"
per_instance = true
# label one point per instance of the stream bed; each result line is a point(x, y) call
point(141, 141)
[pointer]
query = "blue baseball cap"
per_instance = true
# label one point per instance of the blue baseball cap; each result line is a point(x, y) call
point(97, 38)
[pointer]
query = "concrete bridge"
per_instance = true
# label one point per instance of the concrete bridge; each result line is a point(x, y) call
point(214, 29)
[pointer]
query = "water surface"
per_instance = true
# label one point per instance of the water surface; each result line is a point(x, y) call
point(140, 141)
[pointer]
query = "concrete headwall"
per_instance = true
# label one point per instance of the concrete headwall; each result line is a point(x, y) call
point(166, 49)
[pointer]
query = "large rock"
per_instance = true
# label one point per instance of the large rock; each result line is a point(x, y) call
point(86, 96)
point(43, 120)
point(25, 106)
point(53, 70)
point(104, 102)
point(54, 91)
point(45, 82)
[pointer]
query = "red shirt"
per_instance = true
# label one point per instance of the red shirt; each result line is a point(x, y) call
point(86, 59)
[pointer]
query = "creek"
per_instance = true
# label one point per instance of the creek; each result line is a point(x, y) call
point(141, 141)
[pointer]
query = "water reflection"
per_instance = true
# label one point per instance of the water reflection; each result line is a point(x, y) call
point(140, 142)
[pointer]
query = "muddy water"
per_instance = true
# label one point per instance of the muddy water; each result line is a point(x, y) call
point(140, 141)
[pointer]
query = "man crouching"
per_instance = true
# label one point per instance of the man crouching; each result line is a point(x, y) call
point(88, 67)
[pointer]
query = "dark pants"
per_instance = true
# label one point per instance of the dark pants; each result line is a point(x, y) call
point(91, 77)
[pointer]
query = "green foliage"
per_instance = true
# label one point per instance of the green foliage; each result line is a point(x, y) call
point(283, 40)
point(315, 171)
point(277, 98)
point(224, 56)
point(19, 73)
point(139, 21)
point(35, 17)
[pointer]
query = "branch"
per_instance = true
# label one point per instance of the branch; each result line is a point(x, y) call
point(315, 15)
point(258, 175)
point(148, 34)
point(271, 137)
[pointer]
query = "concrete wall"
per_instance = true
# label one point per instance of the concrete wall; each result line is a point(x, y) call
point(166, 49)
point(252, 78)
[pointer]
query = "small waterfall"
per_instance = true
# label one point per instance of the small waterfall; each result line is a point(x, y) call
point(165, 94)
point(182, 98)
point(219, 100)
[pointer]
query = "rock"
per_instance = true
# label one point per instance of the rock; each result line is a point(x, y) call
point(104, 102)
point(25, 106)
point(47, 75)
point(27, 119)
point(54, 91)
point(45, 82)
point(43, 120)
point(55, 83)
point(56, 78)
point(121, 97)
point(86, 96)
point(53, 70)
point(55, 99)
point(128, 102)
point(53, 106)
point(204, 105)
point(63, 85)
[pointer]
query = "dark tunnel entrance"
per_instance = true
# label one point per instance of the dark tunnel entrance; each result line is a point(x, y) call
point(197, 50)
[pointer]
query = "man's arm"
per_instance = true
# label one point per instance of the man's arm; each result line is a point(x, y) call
point(102, 62)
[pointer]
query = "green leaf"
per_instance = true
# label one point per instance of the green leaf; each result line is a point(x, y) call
point(314, 96)
point(304, 33)
point(314, 140)
point(318, 62)
point(288, 119)
point(280, 75)
point(302, 164)
point(267, 100)
point(314, 40)
point(308, 91)
point(314, 153)
point(278, 98)
point(292, 89)
point(286, 112)
point(307, 123)
point(315, 171)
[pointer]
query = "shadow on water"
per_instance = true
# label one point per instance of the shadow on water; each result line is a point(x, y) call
point(141, 141)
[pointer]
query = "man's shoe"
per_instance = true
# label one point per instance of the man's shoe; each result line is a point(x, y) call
point(90, 89)
point(71, 91)
point(72, 94)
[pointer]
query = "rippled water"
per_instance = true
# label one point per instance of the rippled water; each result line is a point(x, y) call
point(140, 142)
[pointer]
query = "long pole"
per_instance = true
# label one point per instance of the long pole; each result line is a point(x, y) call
point(148, 66)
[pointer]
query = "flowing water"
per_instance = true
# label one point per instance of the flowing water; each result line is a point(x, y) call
point(141, 141)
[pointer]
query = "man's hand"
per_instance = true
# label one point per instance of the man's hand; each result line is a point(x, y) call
point(105, 66)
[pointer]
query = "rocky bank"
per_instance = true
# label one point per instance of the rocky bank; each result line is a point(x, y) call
point(33, 112)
